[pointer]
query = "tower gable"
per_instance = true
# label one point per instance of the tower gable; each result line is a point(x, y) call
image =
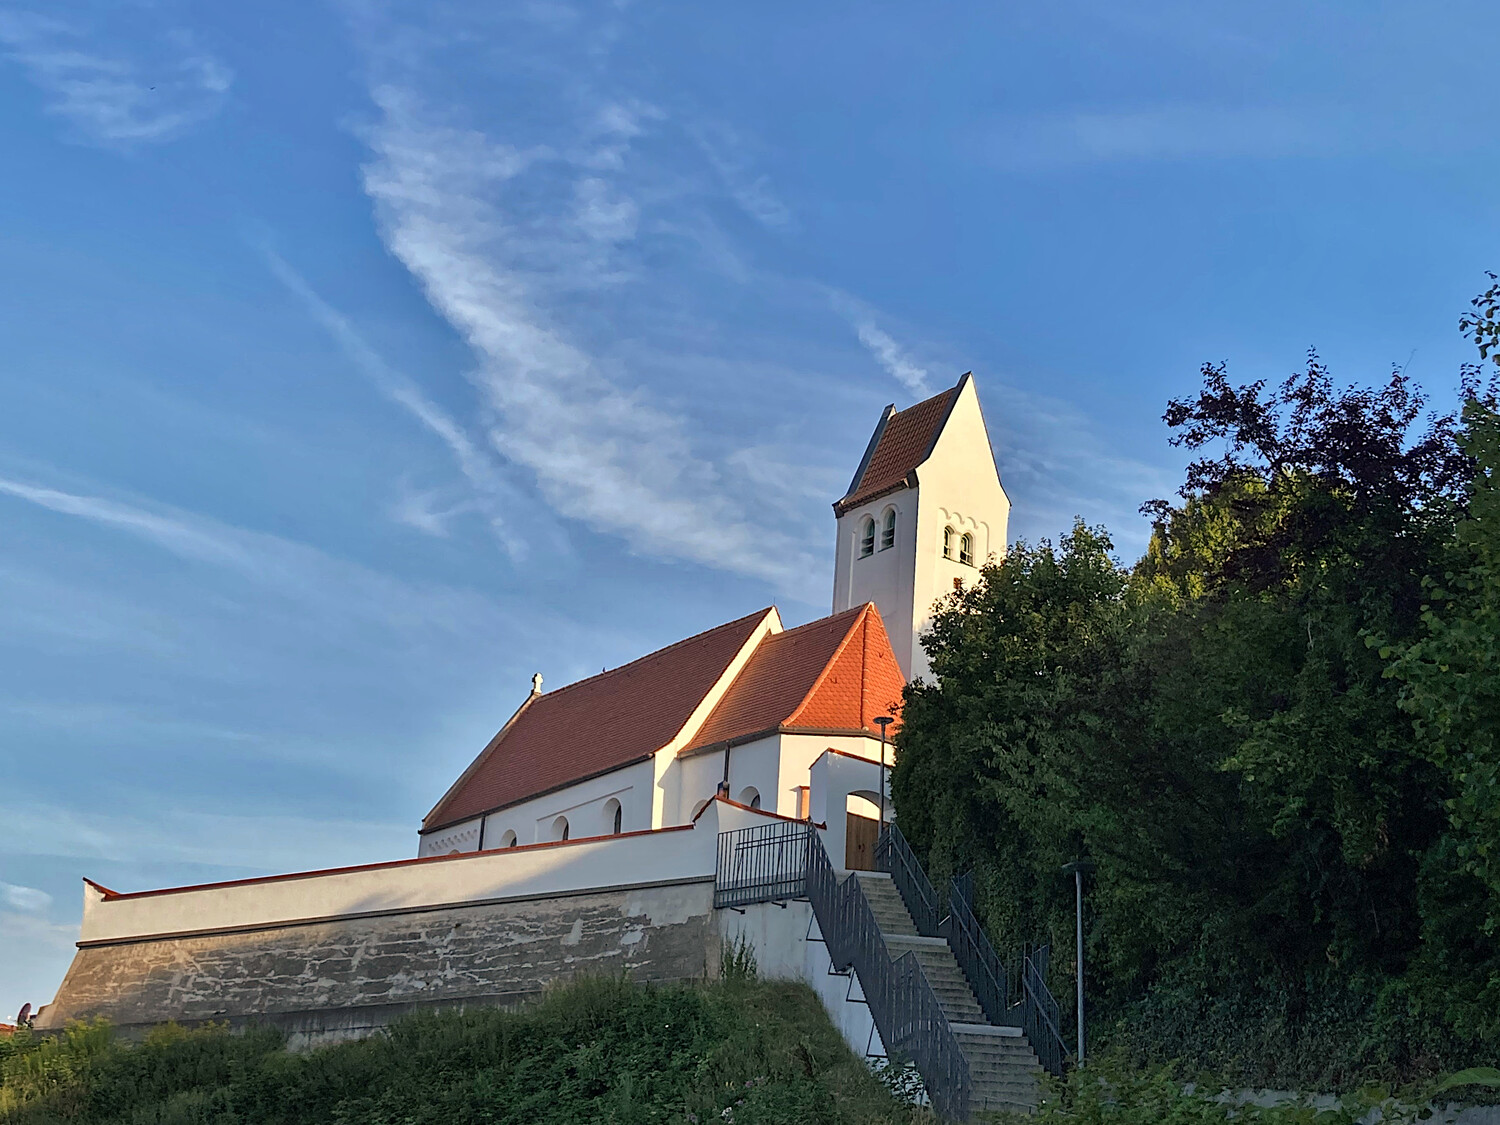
point(928, 472)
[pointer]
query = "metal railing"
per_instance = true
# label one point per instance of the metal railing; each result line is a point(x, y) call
point(1011, 993)
point(761, 864)
point(894, 854)
point(1041, 1013)
point(902, 1003)
point(786, 860)
point(987, 974)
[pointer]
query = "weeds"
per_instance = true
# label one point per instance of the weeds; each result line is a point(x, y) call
point(600, 1049)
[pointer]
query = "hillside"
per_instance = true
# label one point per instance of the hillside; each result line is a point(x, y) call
point(597, 1050)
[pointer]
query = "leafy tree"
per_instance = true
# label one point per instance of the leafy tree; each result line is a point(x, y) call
point(1276, 838)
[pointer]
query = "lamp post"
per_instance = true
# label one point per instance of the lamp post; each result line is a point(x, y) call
point(1078, 869)
point(882, 721)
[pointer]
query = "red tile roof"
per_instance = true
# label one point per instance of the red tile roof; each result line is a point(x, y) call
point(595, 725)
point(836, 673)
point(902, 441)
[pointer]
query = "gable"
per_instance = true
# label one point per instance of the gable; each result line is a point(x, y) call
point(836, 673)
point(595, 725)
point(902, 441)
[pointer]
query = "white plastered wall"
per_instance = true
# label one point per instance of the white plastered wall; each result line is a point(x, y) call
point(834, 777)
point(679, 855)
point(583, 804)
point(958, 486)
point(884, 577)
point(676, 790)
point(774, 766)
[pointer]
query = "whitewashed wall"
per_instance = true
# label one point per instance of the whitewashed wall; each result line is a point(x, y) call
point(957, 486)
point(531, 821)
point(886, 577)
point(671, 855)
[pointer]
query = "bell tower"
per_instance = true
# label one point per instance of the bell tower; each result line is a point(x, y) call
point(925, 510)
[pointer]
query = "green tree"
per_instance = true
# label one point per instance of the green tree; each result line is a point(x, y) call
point(1276, 838)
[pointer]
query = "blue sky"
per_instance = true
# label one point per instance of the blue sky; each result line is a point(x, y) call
point(360, 359)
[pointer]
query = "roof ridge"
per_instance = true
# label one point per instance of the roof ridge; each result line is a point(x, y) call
point(820, 620)
point(937, 431)
point(861, 613)
point(555, 692)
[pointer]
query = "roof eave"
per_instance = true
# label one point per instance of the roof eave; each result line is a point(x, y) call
point(841, 507)
point(482, 757)
point(783, 728)
point(864, 462)
point(427, 828)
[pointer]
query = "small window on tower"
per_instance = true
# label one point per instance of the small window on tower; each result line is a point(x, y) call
point(966, 550)
point(867, 539)
point(888, 533)
point(947, 542)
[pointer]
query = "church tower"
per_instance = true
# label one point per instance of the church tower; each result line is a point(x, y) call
point(925, 509)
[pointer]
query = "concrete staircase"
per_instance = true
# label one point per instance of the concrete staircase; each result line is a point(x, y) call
point(1003, 1067)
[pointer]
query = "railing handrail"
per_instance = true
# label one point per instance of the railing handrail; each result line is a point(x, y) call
point(788, 860)
point(902, 1002)
point(981, 964)
point(895, 856)
point(977, 958)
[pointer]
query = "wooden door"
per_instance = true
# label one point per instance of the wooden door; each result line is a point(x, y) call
point(860, 834)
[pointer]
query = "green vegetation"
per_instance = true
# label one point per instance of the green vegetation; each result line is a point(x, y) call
point(599, 1050)
point(1109, 1092)
point(1276, 734)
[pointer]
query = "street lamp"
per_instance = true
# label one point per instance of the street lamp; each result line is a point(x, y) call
point(1078, 869)
point(882, 721)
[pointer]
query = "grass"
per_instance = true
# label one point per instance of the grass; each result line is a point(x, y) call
point(735, 1052)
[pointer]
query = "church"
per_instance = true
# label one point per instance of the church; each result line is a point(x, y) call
point(747, 708)
point(608, 823)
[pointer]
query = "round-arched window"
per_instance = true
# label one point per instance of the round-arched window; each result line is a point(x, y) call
point(612, 816)
point(560, 828)
point(509, 839)
point(947, 542)
point(750, 796)
point(966, 550)
point(867, 538)
point(888, 532)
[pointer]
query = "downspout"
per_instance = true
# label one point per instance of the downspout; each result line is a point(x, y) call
point(481, 832)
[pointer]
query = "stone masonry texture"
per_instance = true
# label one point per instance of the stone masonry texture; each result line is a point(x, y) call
point(335, 979)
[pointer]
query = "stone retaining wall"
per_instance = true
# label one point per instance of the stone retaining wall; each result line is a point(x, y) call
point(332, 979)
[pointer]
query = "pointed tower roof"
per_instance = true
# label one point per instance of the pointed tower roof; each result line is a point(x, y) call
point(902, 440)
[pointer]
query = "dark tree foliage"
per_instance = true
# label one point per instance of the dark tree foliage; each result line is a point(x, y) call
point(1294, 875)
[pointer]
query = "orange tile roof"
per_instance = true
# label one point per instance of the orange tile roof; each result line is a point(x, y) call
point(836, 673)
point(903, 441)
point(595, 725)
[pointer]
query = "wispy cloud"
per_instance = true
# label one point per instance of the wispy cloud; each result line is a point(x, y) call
point(111, 97)
point(1056, 466)
point(27, 899)
point(724, 148)
point(599, 450)
point(1170, 132)
point(891, 357)
point(237, 843)
point(492, 494)
point(323, 586)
